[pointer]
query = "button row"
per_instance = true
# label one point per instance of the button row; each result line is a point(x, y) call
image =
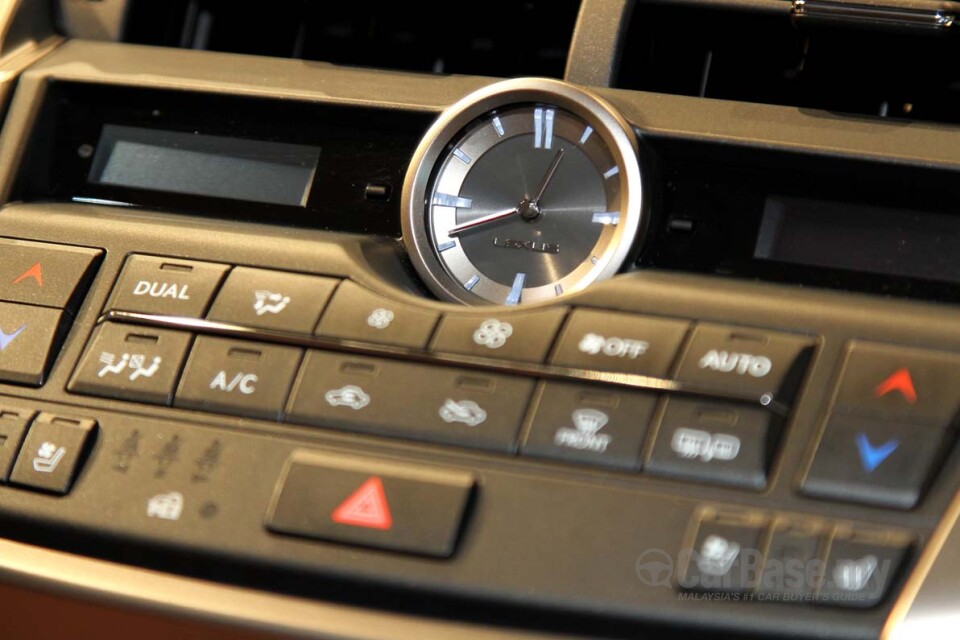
point(591, 424)
point(42, 452)
point(742, 362)
point(792, 560)
point(40, 285)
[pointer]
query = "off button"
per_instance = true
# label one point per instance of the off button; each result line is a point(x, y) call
point(166, 286)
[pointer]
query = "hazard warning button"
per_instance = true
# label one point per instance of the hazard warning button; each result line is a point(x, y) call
point(897, 383)
point(373, 503)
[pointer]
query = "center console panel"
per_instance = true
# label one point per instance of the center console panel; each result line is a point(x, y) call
point(232, 391)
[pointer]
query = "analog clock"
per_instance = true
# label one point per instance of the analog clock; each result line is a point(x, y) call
point(524, 191)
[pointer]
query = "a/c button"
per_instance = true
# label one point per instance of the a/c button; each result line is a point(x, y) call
point(243, 378)
point(166, 286)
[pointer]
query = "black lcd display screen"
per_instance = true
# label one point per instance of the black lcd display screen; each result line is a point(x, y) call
point(868, 239)
point(204, 165)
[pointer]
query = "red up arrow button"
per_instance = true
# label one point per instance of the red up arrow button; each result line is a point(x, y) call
point(901, 381)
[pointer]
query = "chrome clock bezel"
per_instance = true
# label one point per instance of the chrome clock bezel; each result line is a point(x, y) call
point(613, 129)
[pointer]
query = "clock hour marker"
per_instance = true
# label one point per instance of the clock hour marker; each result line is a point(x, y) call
point(446, 245)
point(606, 217)
point(537, 128)
point(548, 137)
point(513, 298)
point(612, 171)
point(558, 289)
point(461, 156)
point(498, 126)
point(471, 283)
point(594, 259)
point(447, 200)
point(586, 135)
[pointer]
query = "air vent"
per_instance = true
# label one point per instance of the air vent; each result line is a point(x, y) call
point(493, 37)
point(766, 55)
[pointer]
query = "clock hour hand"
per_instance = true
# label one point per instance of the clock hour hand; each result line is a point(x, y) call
point(482, 220)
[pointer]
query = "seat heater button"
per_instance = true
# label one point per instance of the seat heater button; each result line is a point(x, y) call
point(51, 453)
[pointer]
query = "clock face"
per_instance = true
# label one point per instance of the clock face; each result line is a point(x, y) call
point(525, 201)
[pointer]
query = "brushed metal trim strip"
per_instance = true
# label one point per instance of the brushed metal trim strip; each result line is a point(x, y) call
point(908, 620)
point(170, 595)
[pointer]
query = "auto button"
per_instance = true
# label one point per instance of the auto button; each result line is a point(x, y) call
point(746, 362)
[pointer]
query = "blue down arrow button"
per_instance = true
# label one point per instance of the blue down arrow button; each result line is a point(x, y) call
point(872, 457)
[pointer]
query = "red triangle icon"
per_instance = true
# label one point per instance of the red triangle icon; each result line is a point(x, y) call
point(35, 272)
point(901, 381)
point(365, 507)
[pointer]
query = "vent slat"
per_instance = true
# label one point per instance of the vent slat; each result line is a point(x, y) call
point(501, 38)
point(765, 57)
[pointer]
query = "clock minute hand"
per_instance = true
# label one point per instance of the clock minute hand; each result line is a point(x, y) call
point(547, 177)
point(482, 220)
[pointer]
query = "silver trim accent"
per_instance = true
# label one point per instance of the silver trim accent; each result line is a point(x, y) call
point(883, 11)
point(447, 200)
point(601, 117)
point(606, 217)
point(586, 135)
point(513, 298)
point(549, 116)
